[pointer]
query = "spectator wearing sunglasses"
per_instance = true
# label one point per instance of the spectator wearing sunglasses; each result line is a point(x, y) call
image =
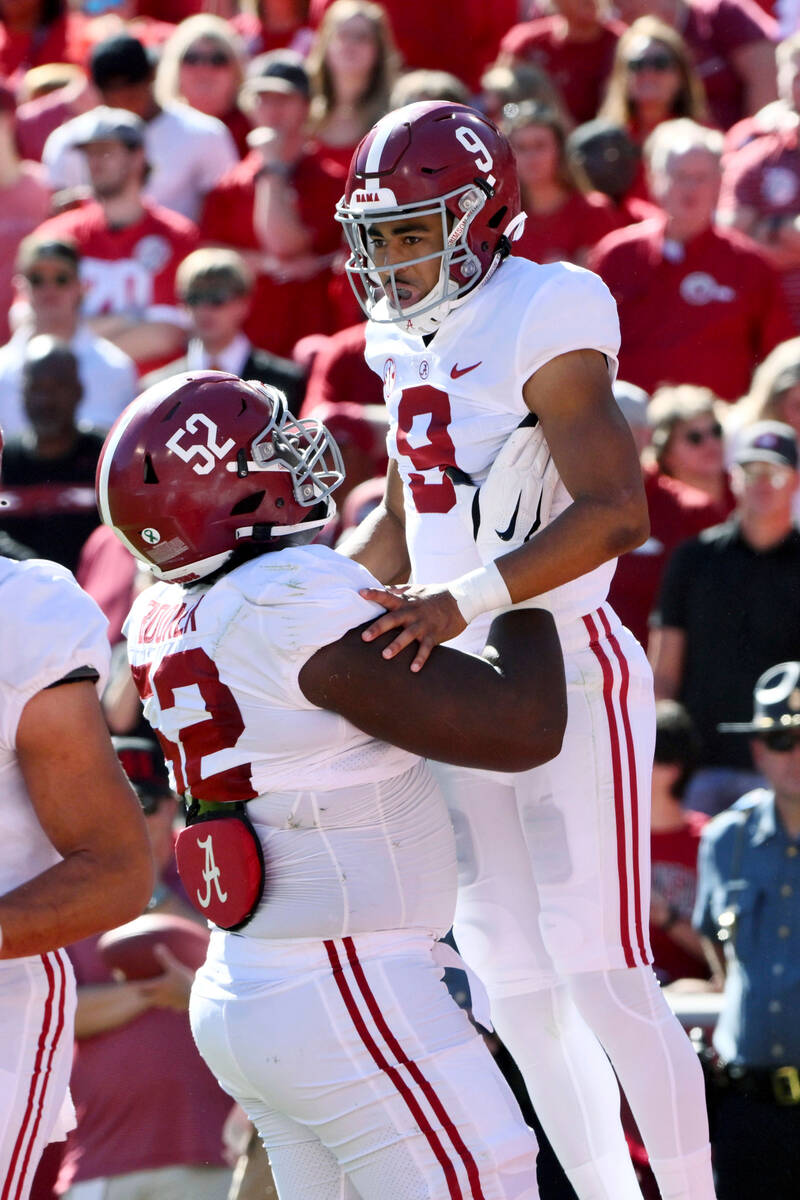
point(731, 47)
point(678, 506)
point(215, 287)
point(748, 912)
point(729, 607)
point(686, 444)
point(202, 65)
point(652, 80)
point(697, 303)
point(50, 298)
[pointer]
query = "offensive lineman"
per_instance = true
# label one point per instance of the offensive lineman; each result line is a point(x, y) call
point(323, 1014)
point(74, 854)
point(497, 372)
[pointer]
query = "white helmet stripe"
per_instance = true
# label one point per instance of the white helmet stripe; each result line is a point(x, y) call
point(383, 131)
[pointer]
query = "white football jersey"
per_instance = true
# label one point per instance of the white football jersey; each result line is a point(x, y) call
point(49, 628)
point(453, 403)
point(355, 833)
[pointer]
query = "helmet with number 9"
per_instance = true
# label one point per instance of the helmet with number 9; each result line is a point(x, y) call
point(204, 463)
point(431, 158)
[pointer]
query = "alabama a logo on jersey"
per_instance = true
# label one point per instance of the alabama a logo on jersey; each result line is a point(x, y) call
point(211, 874)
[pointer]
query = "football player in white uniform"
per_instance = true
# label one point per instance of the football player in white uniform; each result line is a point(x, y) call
point(74, 854)
point(513, 478)
point(320, 1007)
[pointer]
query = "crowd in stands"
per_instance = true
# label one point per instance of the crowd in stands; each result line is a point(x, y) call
point(168, 183)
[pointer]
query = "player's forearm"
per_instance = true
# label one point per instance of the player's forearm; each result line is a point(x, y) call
point(86, 892)
point(586, 535)
point(104, 1006)
point(379, 544)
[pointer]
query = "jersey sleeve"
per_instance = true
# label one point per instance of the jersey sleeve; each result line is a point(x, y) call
point(50, 627)
point(573, 310)
point(292, 608)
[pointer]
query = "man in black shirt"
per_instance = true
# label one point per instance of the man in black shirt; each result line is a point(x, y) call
point(48, 471)
point(729, 608)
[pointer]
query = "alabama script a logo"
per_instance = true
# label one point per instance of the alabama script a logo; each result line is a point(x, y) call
point(211, 874)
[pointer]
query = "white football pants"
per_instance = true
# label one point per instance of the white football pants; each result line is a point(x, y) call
point(361, 1074)
point(552, 915)
point(37, 1020)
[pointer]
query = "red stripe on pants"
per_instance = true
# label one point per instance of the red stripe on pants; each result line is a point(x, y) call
point(634, 786)
point(52, 1023)
point(400, 1084)
point(473, 1173)
point(619, 802)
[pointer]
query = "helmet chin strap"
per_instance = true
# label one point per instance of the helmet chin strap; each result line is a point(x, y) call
point(428, 322)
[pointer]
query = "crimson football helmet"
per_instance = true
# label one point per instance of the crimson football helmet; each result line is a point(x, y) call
point(431, 158)
point(203, 463)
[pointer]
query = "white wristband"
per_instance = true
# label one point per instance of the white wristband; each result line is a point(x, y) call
point(479, 591)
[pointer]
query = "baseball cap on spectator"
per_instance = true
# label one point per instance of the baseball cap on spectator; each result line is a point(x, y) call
point(143, 763)
point(278, 71)
point(769, 442)
point(119, 58)
point(104, 124)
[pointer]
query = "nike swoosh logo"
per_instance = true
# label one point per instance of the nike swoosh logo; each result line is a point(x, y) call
point(456, 372)
point(508, 533)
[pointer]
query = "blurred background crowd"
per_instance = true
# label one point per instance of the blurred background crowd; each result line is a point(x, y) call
point(168, 177)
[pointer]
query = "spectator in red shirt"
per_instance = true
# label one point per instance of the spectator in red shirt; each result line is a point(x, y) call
point(24, 203)
point(33, 32)
point(130, 248)
point(652, 80)
point(677, 511)
point(202, 65)
point(575, 46)
point(697, 304)
point(277, 208)
point(352, 66)
point(761, 185)
point(687, 443)
point(562, 222)
point(340, 373)
point(462, 38)
point(266, 25)
point(731, 43)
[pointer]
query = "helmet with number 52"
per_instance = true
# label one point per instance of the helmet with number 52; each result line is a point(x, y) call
point(423, 160)
point(204, 463)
